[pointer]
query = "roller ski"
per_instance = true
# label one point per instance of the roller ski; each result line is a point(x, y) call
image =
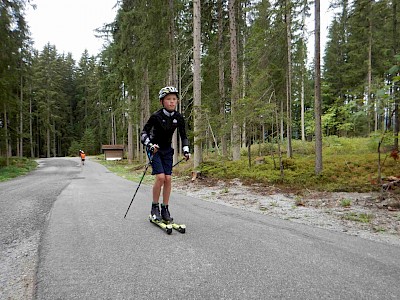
point(155, 218)
point(162, 225)
point(164, 220)
point(168, 220)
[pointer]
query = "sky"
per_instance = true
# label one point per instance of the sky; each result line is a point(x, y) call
point(326, 18)
point(70, 24)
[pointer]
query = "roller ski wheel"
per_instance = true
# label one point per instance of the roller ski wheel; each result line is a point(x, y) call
point(167, 219)
point(178, 227)
point(182, 228)
point(162, 225)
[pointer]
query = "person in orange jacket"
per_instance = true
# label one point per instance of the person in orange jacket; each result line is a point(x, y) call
point(83, 157)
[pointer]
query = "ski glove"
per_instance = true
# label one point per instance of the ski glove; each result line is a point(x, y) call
point(152, 148)
point(187, 155)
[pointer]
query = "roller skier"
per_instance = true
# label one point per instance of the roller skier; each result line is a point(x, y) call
point(157, 137)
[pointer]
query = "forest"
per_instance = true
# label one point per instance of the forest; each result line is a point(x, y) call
point(243, 70)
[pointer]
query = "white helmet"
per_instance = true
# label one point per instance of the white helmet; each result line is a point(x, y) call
point(167, 90)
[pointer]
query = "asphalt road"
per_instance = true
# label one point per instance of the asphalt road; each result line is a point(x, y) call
point(25, 203)
point(89, 251)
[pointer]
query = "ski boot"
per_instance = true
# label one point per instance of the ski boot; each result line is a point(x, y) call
point(155, 212)
point(155, 218)
point(166, 217)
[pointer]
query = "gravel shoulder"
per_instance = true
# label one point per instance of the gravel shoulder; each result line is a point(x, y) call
point(357, 214)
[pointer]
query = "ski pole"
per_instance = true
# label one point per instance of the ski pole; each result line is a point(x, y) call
point(141, 179)
point(179, 162)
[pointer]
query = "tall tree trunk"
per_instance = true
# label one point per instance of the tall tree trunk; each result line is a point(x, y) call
point(396, 119)
point(48, 124)
point(244, 131)
point(6, 136)
point(221, 78)
point(100, 118)
point(369, 75)
point(139, 145)
point(173, 78)
point(146, 94)
point(289, 80)
point(374, 107)
point(303, 72)
point(54, 140)
point(21, 121)
point(278, 140)
point(234, 80)
point(124, 125)
point(302, 105)
point(396, 93)
point(198, 155)
point(130, 130)
point(317, 100)
point(281, 128)
point(112, 128)
point(31, 127)
point(145, 109)
point(48, 141)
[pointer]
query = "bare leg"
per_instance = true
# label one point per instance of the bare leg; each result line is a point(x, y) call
point(158, 183)
point(167, 189)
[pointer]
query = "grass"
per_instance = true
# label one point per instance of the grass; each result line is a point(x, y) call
point(299, 173)
point(358, 217)
point(349, 165)
point(379, 229)
point(345, 203)
point(274, 204)
point(17, 167)
point(225, 190)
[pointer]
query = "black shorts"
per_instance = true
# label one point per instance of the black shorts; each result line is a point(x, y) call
point(162, 161)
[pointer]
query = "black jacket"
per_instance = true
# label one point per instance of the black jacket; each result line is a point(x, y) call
point(161, 126)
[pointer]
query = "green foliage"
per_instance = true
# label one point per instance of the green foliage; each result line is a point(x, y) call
point(347, 64)
point(358, 217)
point(333, 145)
point(16, 167)
point(350, 164)
point(345, 203)
point(89, 143)
point(74, 148)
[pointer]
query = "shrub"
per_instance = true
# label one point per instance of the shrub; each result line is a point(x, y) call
point(345, 203)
